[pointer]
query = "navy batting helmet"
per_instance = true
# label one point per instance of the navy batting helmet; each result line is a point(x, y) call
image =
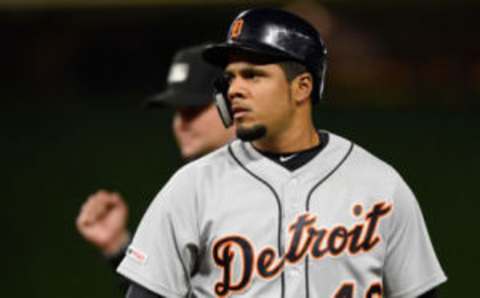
point(273, 33)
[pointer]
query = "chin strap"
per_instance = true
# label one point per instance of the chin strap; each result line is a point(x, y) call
point(224, 108)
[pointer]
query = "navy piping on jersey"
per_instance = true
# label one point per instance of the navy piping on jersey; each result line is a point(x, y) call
point(277, 198)
point(307, 207)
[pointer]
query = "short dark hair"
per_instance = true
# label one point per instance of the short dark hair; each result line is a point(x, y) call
point(292, 69)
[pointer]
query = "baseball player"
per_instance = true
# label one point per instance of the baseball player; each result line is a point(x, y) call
point(102, 220)
point(285, 210)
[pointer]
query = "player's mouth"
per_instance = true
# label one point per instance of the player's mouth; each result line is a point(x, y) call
point(239, 112)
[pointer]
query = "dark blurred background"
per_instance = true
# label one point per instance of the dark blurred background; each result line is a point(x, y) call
point(403, 81)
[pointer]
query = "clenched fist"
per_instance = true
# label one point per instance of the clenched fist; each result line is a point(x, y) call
point(102, 221)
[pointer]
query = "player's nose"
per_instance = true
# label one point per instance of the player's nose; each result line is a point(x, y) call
point(237, 89)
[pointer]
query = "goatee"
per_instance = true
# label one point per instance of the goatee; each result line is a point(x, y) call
point(251, 134)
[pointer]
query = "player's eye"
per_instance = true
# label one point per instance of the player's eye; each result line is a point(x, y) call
point(227, 78)
point(253, 74)
point(250, 74)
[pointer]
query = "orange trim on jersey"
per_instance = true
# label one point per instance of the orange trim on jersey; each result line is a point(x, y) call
point(234, 288)
point(355, 207)
point(305, 237)
point(374, 291)
point(316, 245)
point(361, 241)
point(272, 256)
point(331, 243)
point(357, 230)
point(377, 238)
point(351, 294)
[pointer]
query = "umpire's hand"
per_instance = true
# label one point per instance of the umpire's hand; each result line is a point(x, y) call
point(102, 221)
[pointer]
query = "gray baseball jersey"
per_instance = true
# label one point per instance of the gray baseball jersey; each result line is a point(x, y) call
point(235, 223)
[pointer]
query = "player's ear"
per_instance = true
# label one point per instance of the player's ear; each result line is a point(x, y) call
point(302, 87)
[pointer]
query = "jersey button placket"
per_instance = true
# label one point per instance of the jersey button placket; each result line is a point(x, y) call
point(293, 198)
point(294, 272)
point(294, 208)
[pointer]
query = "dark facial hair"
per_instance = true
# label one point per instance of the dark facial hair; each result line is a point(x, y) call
point(251, 134)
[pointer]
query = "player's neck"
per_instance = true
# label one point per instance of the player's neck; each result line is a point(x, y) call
point(292, 140)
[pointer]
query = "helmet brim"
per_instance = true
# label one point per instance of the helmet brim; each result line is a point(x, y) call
point(220, 54)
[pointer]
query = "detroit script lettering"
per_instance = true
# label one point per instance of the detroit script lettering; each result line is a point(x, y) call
point(305, 239)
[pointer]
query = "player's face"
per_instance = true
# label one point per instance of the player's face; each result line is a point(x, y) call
point(260, 98)
point(199, 130)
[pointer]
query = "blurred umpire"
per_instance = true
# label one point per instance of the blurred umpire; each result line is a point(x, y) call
point(197, 127)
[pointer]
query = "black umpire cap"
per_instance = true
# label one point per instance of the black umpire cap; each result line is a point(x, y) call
point(190, 81)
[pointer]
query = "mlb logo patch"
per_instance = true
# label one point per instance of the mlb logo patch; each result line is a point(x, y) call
point(137, 255)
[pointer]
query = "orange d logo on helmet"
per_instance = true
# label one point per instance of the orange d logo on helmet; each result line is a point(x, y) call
point(237, 27)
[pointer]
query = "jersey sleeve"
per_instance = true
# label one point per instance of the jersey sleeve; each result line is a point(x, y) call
point(411, 266)
point(164, 249)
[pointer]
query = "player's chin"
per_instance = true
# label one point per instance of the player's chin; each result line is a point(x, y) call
point(191, 152)
point(245, 124)
point(251, 132)
point(189, 149)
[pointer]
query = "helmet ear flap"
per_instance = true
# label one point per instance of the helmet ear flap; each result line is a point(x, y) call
point(321, 79)
point(220, 94)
